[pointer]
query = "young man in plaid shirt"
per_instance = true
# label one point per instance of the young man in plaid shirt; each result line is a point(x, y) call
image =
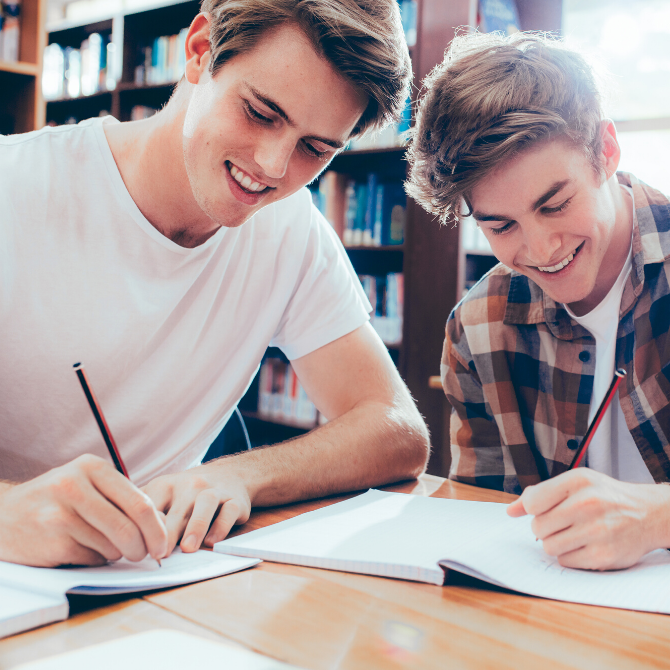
point(511, 131)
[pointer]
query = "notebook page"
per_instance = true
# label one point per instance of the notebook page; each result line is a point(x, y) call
point(21, 610)
point(518, 562)
point(379, 533)
point(124, 576)
point(164, 649)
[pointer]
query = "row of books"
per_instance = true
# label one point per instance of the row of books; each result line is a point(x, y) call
point(70, 73)
point(10, 30)
point(371, 213)
point(281, 395)
point(386, 295)
point(163, 61)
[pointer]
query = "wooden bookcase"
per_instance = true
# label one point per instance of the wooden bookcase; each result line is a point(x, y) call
point(21, 106)
point(432, 259)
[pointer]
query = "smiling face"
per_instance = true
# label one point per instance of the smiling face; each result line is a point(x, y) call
point(549, 216)
point(265, 125)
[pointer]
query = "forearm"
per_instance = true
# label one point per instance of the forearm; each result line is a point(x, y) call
point(371, 445)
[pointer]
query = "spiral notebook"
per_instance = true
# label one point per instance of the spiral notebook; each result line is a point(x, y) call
point(416, 538)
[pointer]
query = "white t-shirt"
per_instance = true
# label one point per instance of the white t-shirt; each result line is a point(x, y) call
point(612, 450)
point(170, 337)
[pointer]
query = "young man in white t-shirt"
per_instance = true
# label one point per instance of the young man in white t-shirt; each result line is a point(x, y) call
point(511, 131)
point(166, 255)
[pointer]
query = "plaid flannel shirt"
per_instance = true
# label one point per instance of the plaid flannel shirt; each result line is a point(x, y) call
point(518, 371)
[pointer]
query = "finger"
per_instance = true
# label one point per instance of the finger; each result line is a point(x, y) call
point(90, 538)
point(138, 508)
point(542, 497)
point(120, 530)
point(204, 511)
point(161, 493)
point(516, 508)
point(566, 541)
point(175, 522)
point(84, 556)
point(554, 521)
point(229, 515)
point(585, 558)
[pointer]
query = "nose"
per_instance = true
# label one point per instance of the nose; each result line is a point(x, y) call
point(273, 153)
point(541, 244)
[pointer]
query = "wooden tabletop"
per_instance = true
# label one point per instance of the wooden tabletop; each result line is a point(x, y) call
point(322, 619)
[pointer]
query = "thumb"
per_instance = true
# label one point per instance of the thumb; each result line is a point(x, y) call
point(516, 508)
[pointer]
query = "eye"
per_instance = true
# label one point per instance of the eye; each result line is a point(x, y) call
point(255, 114)
point(312, 150)
point(502, 229)
point(555, 210)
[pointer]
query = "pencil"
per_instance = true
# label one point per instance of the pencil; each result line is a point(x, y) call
point(619, 374)
point(102, 423)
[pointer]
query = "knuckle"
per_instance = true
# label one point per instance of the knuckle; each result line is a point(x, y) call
point(125, 534)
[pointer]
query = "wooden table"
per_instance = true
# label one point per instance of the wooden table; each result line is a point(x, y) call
point(323, 619)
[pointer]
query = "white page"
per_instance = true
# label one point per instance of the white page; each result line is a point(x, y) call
point(20, 609)
point(123, 576)
point(388, 534)
point(399, 535)
point(164, 649)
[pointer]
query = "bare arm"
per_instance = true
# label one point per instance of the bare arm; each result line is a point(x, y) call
point(375, 436)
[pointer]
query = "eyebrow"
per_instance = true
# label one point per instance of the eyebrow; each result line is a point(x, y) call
point(271, 104)
point(546, 196)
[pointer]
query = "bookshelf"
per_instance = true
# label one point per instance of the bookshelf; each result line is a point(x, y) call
point(21, 106)
point(434, 263)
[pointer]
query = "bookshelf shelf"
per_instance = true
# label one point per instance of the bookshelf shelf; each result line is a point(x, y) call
point(28, 69)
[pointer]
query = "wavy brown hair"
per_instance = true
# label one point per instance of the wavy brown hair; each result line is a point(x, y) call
point(491, 98)
point(362, 39)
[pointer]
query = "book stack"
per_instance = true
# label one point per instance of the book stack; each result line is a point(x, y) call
point(163, 61)
point(70, 73)
point(10, 29)
point(386, 295)
point(281, 395)
point(370, 213)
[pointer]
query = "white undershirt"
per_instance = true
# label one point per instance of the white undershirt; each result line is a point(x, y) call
point(612, 450)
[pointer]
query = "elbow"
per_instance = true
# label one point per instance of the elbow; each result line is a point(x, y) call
point(415, 446)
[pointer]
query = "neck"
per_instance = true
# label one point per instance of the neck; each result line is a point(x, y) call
point(149, 156)
point(616, 253)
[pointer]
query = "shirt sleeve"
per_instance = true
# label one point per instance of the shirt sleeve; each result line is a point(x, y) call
point(328, 301)
point(477, 452)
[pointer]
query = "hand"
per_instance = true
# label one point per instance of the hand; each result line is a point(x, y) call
point(82, 513)
point(589, 520)
point(201, 505)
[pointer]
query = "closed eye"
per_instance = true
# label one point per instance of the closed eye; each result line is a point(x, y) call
point(502, 229)
point(554, 210)
point(312, 150)
point(255, 114)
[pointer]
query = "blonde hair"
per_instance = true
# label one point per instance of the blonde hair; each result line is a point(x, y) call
point(492, 97)
point(362, 39)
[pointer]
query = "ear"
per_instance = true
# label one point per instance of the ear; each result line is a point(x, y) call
point(610, 152)
point(197, 48)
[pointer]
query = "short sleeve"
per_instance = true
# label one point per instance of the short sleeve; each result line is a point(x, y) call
point(328, 301)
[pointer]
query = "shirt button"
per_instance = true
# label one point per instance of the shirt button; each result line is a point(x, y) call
point(584, 356)
point(573, 444)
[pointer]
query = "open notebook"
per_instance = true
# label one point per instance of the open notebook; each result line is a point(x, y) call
point(416, 538)
point(31, 597)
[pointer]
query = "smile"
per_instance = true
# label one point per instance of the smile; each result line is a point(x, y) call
point(561, 264)
point(244, 180)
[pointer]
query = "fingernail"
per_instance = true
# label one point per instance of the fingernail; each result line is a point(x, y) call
point(189, 543)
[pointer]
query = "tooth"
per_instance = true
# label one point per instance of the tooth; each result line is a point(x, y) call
point(239, 176)
point(246, 181)
point(233, 170)
point(255, 186)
